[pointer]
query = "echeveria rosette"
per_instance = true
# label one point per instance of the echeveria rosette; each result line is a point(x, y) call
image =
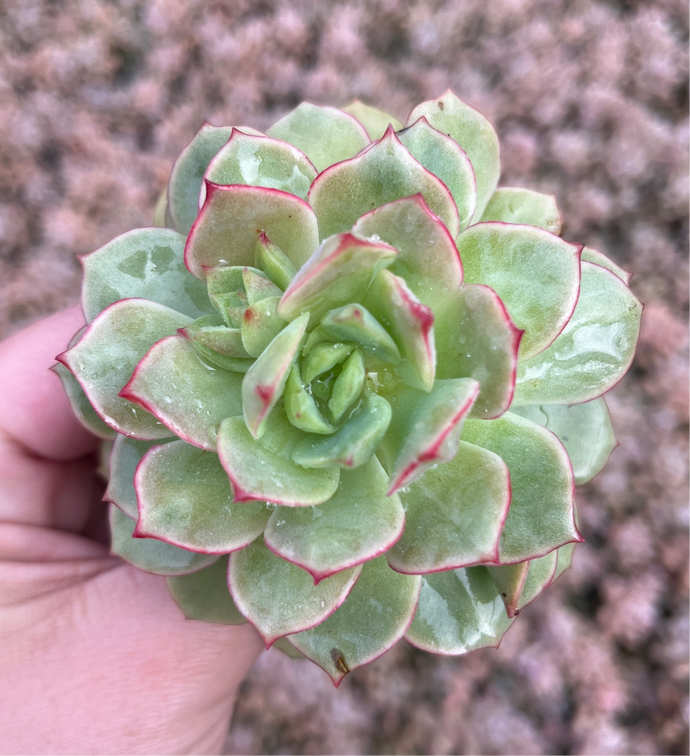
point(352, 384)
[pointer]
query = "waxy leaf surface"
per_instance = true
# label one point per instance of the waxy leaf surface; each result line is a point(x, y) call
point(514, 205)
point(260, 325)
point(81, 406)
point(356, 324)
point(375, 121)
point(510, 579)
point(598, 258)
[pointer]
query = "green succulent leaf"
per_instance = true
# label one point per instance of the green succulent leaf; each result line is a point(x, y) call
point(536, 275)
point(453, 513)
point(285, 647)
point(189, 397)
point(81, 406)
point(444, 157)
point(357, 524)
point(232, 219)
point(258, 286)
point(355, 323)
point(509, 580)
point(514, 205)
point(210, 334)
point(325, 135)
point(108, 353)
point(275, 264)
point(595, 349)
point(146, 263)
point(373, 618)
point(160, 211)
point(348, 386)
point(598, 258)
point(565, 559)
point(280, 598)
point(263, 469)
point(149, 554)
point(204, 595)
point(301, 408)
point(473, 132)
point(375, 121)
point(541, 516)
point(476, 338)
point(540, 575)
point(383, 172)
point(260, 325)
point(324, 357)
point(458, 611)
point(584, 429)
point(261, 161)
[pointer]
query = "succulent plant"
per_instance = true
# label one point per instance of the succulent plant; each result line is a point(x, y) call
point(350, 385)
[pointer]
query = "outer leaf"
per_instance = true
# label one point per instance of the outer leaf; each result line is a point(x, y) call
point(595, 349)
point(475, 337)
point(278, 597)
point(565, 559)
point(584, 429)
point(541, 516)
point(357, 524)
point(428, 259)
point(509, 580)
point(444, 157)
point(263, 469)
point(150, 555)
point(185, 498)
point(146, 263)
point(454, 513)
point(536, 275)
point(598, 258)
point(375, 121)
point(382, 173)
point(285, 647)
point(261, 161)
point(106, 355)
point(372, 620)
point(80, 404)
point(187, 396)
point(232, 219)
point(458, 611)
point(325, 135)
point(539, 577)
point(204, 595)
point(160, 211)
point(473, 132)
point(513, 205)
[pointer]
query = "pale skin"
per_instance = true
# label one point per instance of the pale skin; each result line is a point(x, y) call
point(95, 656)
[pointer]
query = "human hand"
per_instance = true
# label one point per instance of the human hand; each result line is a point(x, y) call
point(95, 656)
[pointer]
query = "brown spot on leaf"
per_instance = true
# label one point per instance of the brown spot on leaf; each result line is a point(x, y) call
point(339, 661)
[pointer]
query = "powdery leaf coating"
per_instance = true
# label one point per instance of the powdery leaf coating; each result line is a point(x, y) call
point(149, 554)
point(595, 349)
point(325, 135)
point(185, 498)
point(383, 172)
point(515, 205)
point(357, 524)
point(536, 274)
point(278, 597)
point(108, 353)
point(189, 397)
point(598, 258)
point(541, 516)
point(458, 611)
point(375, 121)
point(374, 617)
point(80, 404)
point(454, 514)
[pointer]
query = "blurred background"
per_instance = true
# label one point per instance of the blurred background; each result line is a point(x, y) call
point(590, 100)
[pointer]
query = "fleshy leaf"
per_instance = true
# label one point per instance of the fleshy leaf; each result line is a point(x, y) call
point(232, 219)
point(353, 444)
point(536, 274)
point(540, 575)
point(146, 263)
point(260, 325)
point(187, 396)
point(410, 323)
point(264, 382)
point(375, 121)
point(160, 211)
point(584, 429)
point(444, 157)
point(598, 258)
point(337, 273)
point(348, 386)
point(458, 611)
point(541, 515)
point(280, 598)
point(261, 161)
point(222, 279)
point(383, 172)
point(149, 554)
point(301, 408)
point(515, 205)
point(81, 406)
point(258, 286)
point(595, 349)
point(324, 357)
point(475, 337)
point(565, 559)
point(374, 617)
point(108, 353)
point(263, 469)
point(325, 135)
point(425, 430)
point(204, 595)
point(208, 333)
point(185, 498)
point(355, 323)
point(428, 259)
point(509, 580)
point(275, 264)
point(357, 524)
point(285, 647)
point(453, 513)
point(473, 132)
